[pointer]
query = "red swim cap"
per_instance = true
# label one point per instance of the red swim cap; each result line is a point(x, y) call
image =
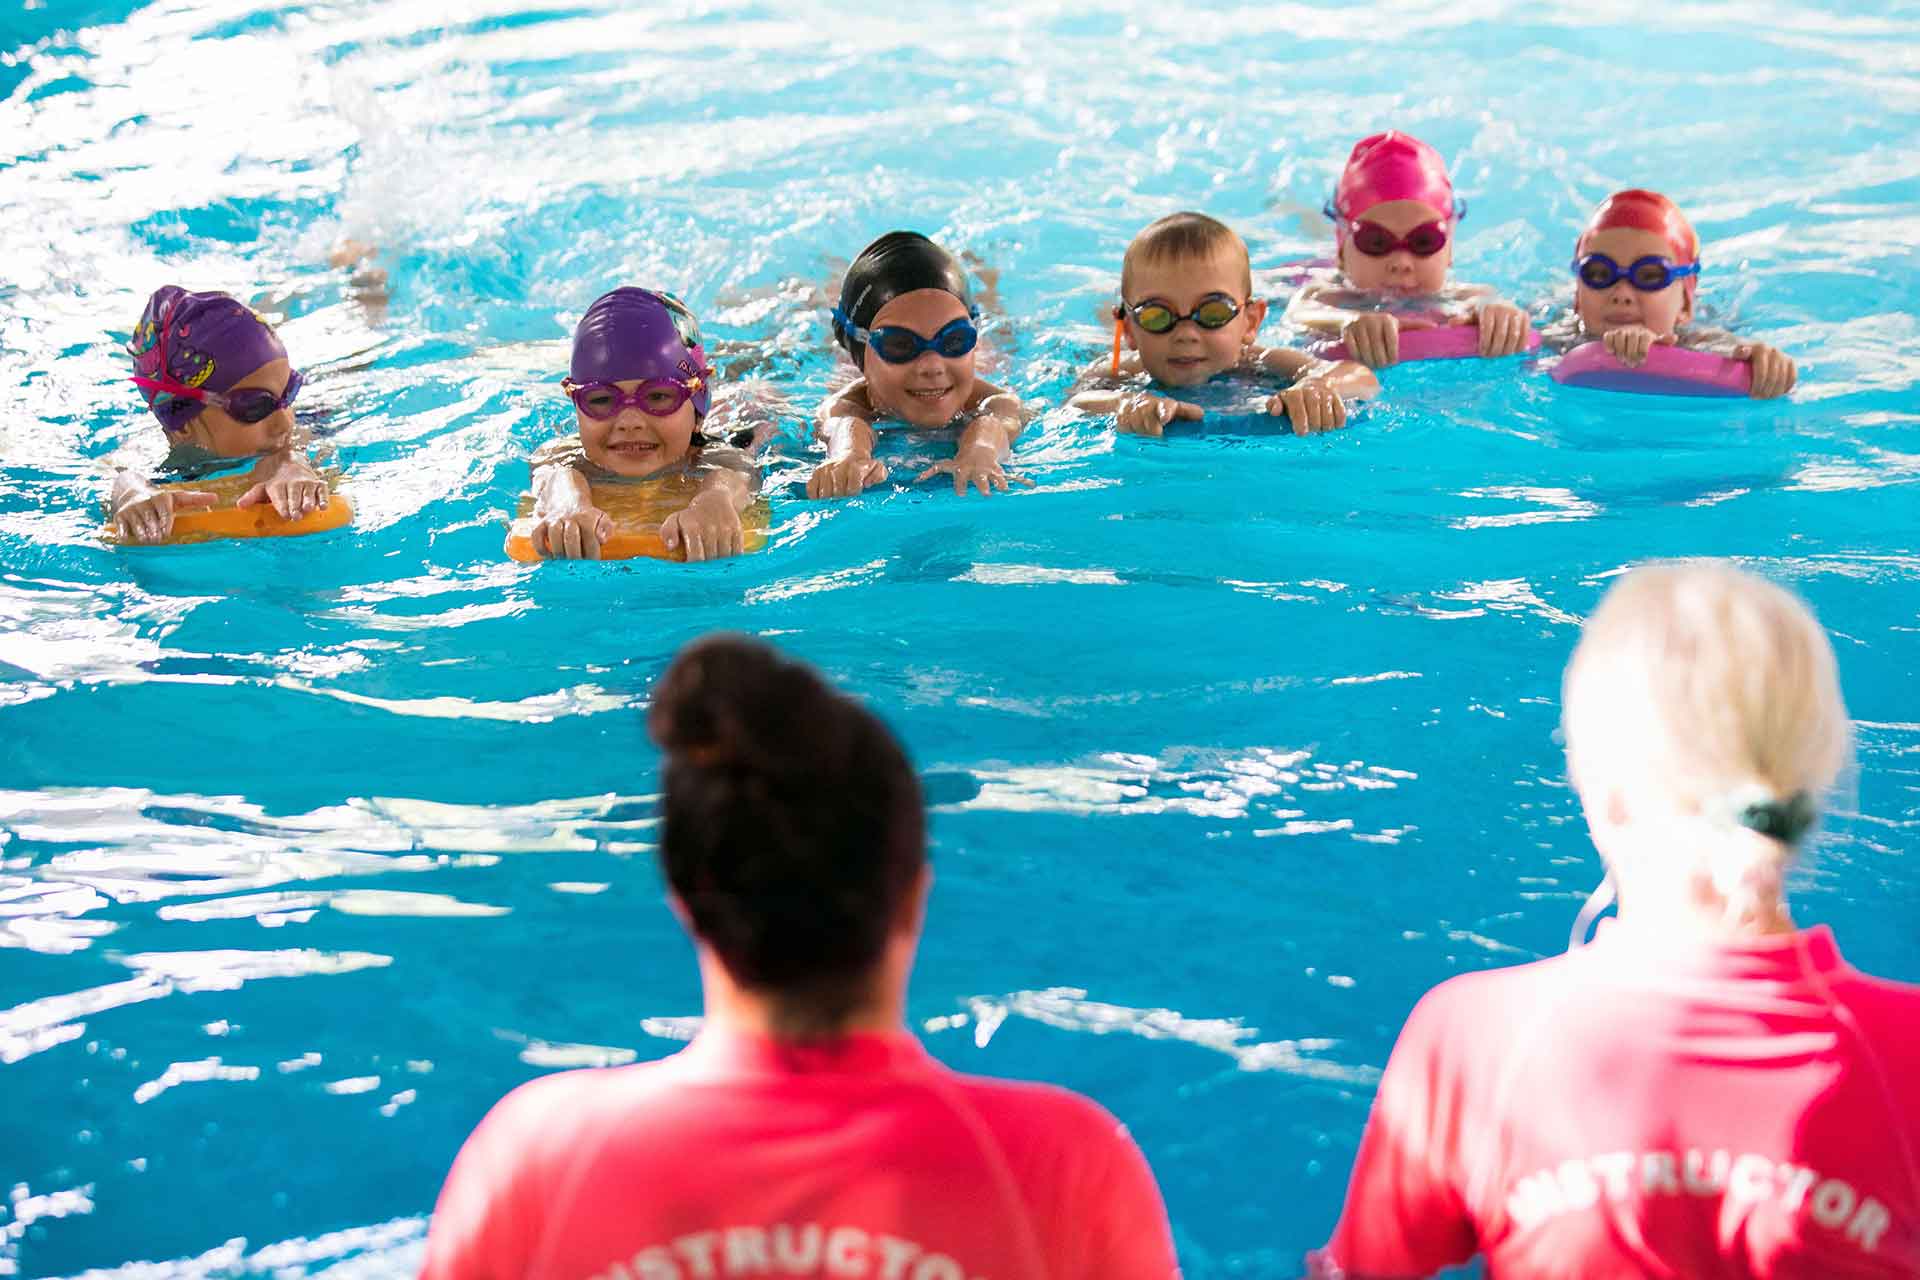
point(1391, 166)
point(1645, 211)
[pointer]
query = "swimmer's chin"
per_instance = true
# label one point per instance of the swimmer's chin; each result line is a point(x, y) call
point(629, 468)
point(1177, 375)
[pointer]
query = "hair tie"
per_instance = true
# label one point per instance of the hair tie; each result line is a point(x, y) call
point(1783, 820)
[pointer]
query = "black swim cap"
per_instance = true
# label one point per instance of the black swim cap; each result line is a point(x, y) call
point(898, 262)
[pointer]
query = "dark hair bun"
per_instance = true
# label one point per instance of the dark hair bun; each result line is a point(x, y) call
point(793, 824)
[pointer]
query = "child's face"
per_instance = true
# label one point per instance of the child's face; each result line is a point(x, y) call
point(634, 443)
point(929, 390)
point(223, 435)
point(1620, 304)
point(1401, 271)
point(1187, 355)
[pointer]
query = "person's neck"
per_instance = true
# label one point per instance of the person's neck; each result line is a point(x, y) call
point(728, 1006)
point(1701, 920)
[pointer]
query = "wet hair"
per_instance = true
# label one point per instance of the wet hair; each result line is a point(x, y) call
point(1183, 237)
point(1709, 697)
point(898, 262)
point(793, 832)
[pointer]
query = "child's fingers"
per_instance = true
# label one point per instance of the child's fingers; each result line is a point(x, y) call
point(1190, 412)
point(192, 499)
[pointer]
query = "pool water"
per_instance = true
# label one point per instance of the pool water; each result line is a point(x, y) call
point(312, 848)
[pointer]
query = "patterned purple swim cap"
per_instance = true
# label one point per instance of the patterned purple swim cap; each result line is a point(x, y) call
point(640, 333)
point(210, 340)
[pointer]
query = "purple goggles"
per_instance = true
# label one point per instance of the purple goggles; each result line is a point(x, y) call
point(248, 404)
point(656, 397)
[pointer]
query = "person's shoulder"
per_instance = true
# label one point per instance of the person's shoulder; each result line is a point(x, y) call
point(1888, 1004)
point(1475, 1014)
point(564, 450)
point(1037, 1113)
point(554, 1110)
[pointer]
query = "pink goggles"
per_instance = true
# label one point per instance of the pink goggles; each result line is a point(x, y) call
point(656, 397)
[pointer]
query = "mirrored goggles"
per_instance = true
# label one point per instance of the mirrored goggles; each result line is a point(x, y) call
point(1649, 274)
point(656, 397)
point(1215, 311)
point(896, 345)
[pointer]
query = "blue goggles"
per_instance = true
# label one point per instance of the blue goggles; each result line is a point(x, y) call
point(896, 345)
point(1649, 274)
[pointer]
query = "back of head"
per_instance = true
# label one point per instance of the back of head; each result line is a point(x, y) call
point(793, 832)
point(1183, 237)
point(187, 342)
point(898, 262)
point(1708, 699)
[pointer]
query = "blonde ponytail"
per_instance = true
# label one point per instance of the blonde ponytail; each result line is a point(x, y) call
point(1709, 696)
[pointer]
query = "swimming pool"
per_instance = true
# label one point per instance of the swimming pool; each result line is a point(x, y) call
point(310, 849)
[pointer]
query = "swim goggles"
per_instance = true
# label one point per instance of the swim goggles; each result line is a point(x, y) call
point(896, 345)
point(1376, 241)
point(1215, 311)
point(1649, 274)
point(248, 404)
point(656, 397)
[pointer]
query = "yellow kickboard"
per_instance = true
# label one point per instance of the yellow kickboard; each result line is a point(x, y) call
point(229, 521)
point(637, 511)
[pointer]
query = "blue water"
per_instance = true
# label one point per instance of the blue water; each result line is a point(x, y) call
point(310, 849)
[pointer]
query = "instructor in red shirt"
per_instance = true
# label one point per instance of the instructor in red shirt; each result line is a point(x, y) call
point(1705, 1090)
point(803, 1132)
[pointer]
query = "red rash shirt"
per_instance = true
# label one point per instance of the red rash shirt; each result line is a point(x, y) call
point(741, 1156)
point(1648, 1107)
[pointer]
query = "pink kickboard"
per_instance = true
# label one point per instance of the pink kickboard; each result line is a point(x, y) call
point(1447, 342)
point(1668, 371)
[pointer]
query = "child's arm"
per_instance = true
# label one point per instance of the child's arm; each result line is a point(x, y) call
point(145, 513)
point(288, 481)
point(708, 528)
point(1773, 370)
point(1317, 398)
point(985, 441)
point(845, 423)
point(566, 524)
point(1097, 392)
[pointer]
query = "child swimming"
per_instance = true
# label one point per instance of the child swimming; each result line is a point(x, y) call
point(907, 320)
point(1187, 315)
point(217, 378)
point(1637, 246)
point(641, 390)
point(1394, 216)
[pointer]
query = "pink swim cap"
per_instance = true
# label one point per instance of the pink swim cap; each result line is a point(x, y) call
point(1391, 166)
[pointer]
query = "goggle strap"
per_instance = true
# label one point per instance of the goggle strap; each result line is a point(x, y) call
point(1119, 326)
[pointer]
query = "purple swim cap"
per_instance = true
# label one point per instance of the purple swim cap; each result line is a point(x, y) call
point(209, 340)
point(640, 334)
